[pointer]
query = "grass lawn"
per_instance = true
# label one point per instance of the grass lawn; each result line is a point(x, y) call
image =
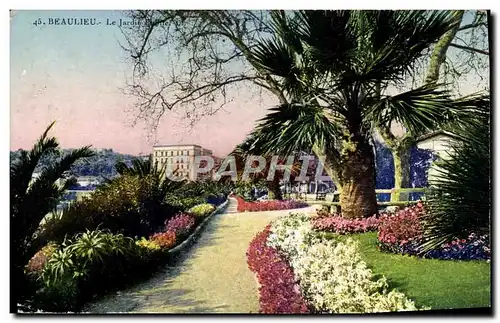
point(440, 284)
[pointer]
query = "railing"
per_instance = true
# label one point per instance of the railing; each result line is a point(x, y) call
point(332, 199)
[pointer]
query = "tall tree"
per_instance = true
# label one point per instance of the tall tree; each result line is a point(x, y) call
point(330, 65)
point(209, 55)
point(210, 52)
point(32, 199)
point(469, 38)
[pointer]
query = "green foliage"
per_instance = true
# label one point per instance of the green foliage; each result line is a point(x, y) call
point(338, 57)
point(128, 204)
point(95, 261)
point(183, 203)
point(31, 200)
point(204, 188)
point(202, 210)
point(460, 197)
point(244, 189)
point(101, 164)
point(194, 193)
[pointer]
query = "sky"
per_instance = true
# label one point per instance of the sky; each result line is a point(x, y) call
point(74, 75)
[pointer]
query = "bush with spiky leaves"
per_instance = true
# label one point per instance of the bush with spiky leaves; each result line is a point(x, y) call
point(31, 200)
point(459, 201)
point(92, 263)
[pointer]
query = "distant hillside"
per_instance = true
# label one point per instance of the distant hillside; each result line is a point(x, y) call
point(102, 164)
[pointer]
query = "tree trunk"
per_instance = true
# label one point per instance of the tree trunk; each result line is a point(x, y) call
point(401, 173)
point(330, 166)
point(358, 198)
point(438, 55)
point(274, 191)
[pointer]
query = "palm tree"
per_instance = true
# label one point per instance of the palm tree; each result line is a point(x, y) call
point(31, 200)
point(143, 168)
point(335, 68)
point(250, 147)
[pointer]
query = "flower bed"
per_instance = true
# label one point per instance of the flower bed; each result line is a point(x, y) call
point(164, 240)
point(97, 262)
point(273, 205)
point(182, 224)
point(340, 225)
point(279, 292)
point(202, 210)
point(332, 276)
point(402, 234)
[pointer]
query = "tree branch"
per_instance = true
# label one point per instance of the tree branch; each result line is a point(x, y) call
point(470, 49)
point(470, 26)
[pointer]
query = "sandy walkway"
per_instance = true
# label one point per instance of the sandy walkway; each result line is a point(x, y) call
point(212, 276)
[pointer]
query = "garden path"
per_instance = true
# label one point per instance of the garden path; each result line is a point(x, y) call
point(212, 276)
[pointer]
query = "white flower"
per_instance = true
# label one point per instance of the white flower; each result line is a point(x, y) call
point(332, 275)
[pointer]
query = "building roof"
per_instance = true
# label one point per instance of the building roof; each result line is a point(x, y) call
point(179, 145)
point(435, 134)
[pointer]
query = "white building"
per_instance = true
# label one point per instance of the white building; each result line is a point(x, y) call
point(181, 158)
point(439, 142)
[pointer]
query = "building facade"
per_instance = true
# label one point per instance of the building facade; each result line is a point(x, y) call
point(181, 158)
point(439, 142)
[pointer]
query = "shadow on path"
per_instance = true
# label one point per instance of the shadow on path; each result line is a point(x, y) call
point(210, 276)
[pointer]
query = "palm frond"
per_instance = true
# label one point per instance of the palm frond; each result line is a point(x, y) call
point(331, 45)
point(398, 39)
point(418, 110)
point(293, 127)
point(460, 196)
point(21, 171)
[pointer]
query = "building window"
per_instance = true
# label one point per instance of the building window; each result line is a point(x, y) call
point(188, 152)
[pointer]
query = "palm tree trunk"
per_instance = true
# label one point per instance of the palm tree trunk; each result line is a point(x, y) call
point(358, 198)
point(401, 173)
point(274, 190)
point(330, 166)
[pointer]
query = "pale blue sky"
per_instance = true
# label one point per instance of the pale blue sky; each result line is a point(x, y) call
point(73, 74)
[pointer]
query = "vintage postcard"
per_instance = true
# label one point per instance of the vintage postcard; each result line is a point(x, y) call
point(250, 161)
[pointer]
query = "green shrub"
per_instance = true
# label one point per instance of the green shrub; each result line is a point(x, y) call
point(202, 210)
point(61, 296)
point(129, 205)
point(184, 203)
point(95, 262)
point(459, 201)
